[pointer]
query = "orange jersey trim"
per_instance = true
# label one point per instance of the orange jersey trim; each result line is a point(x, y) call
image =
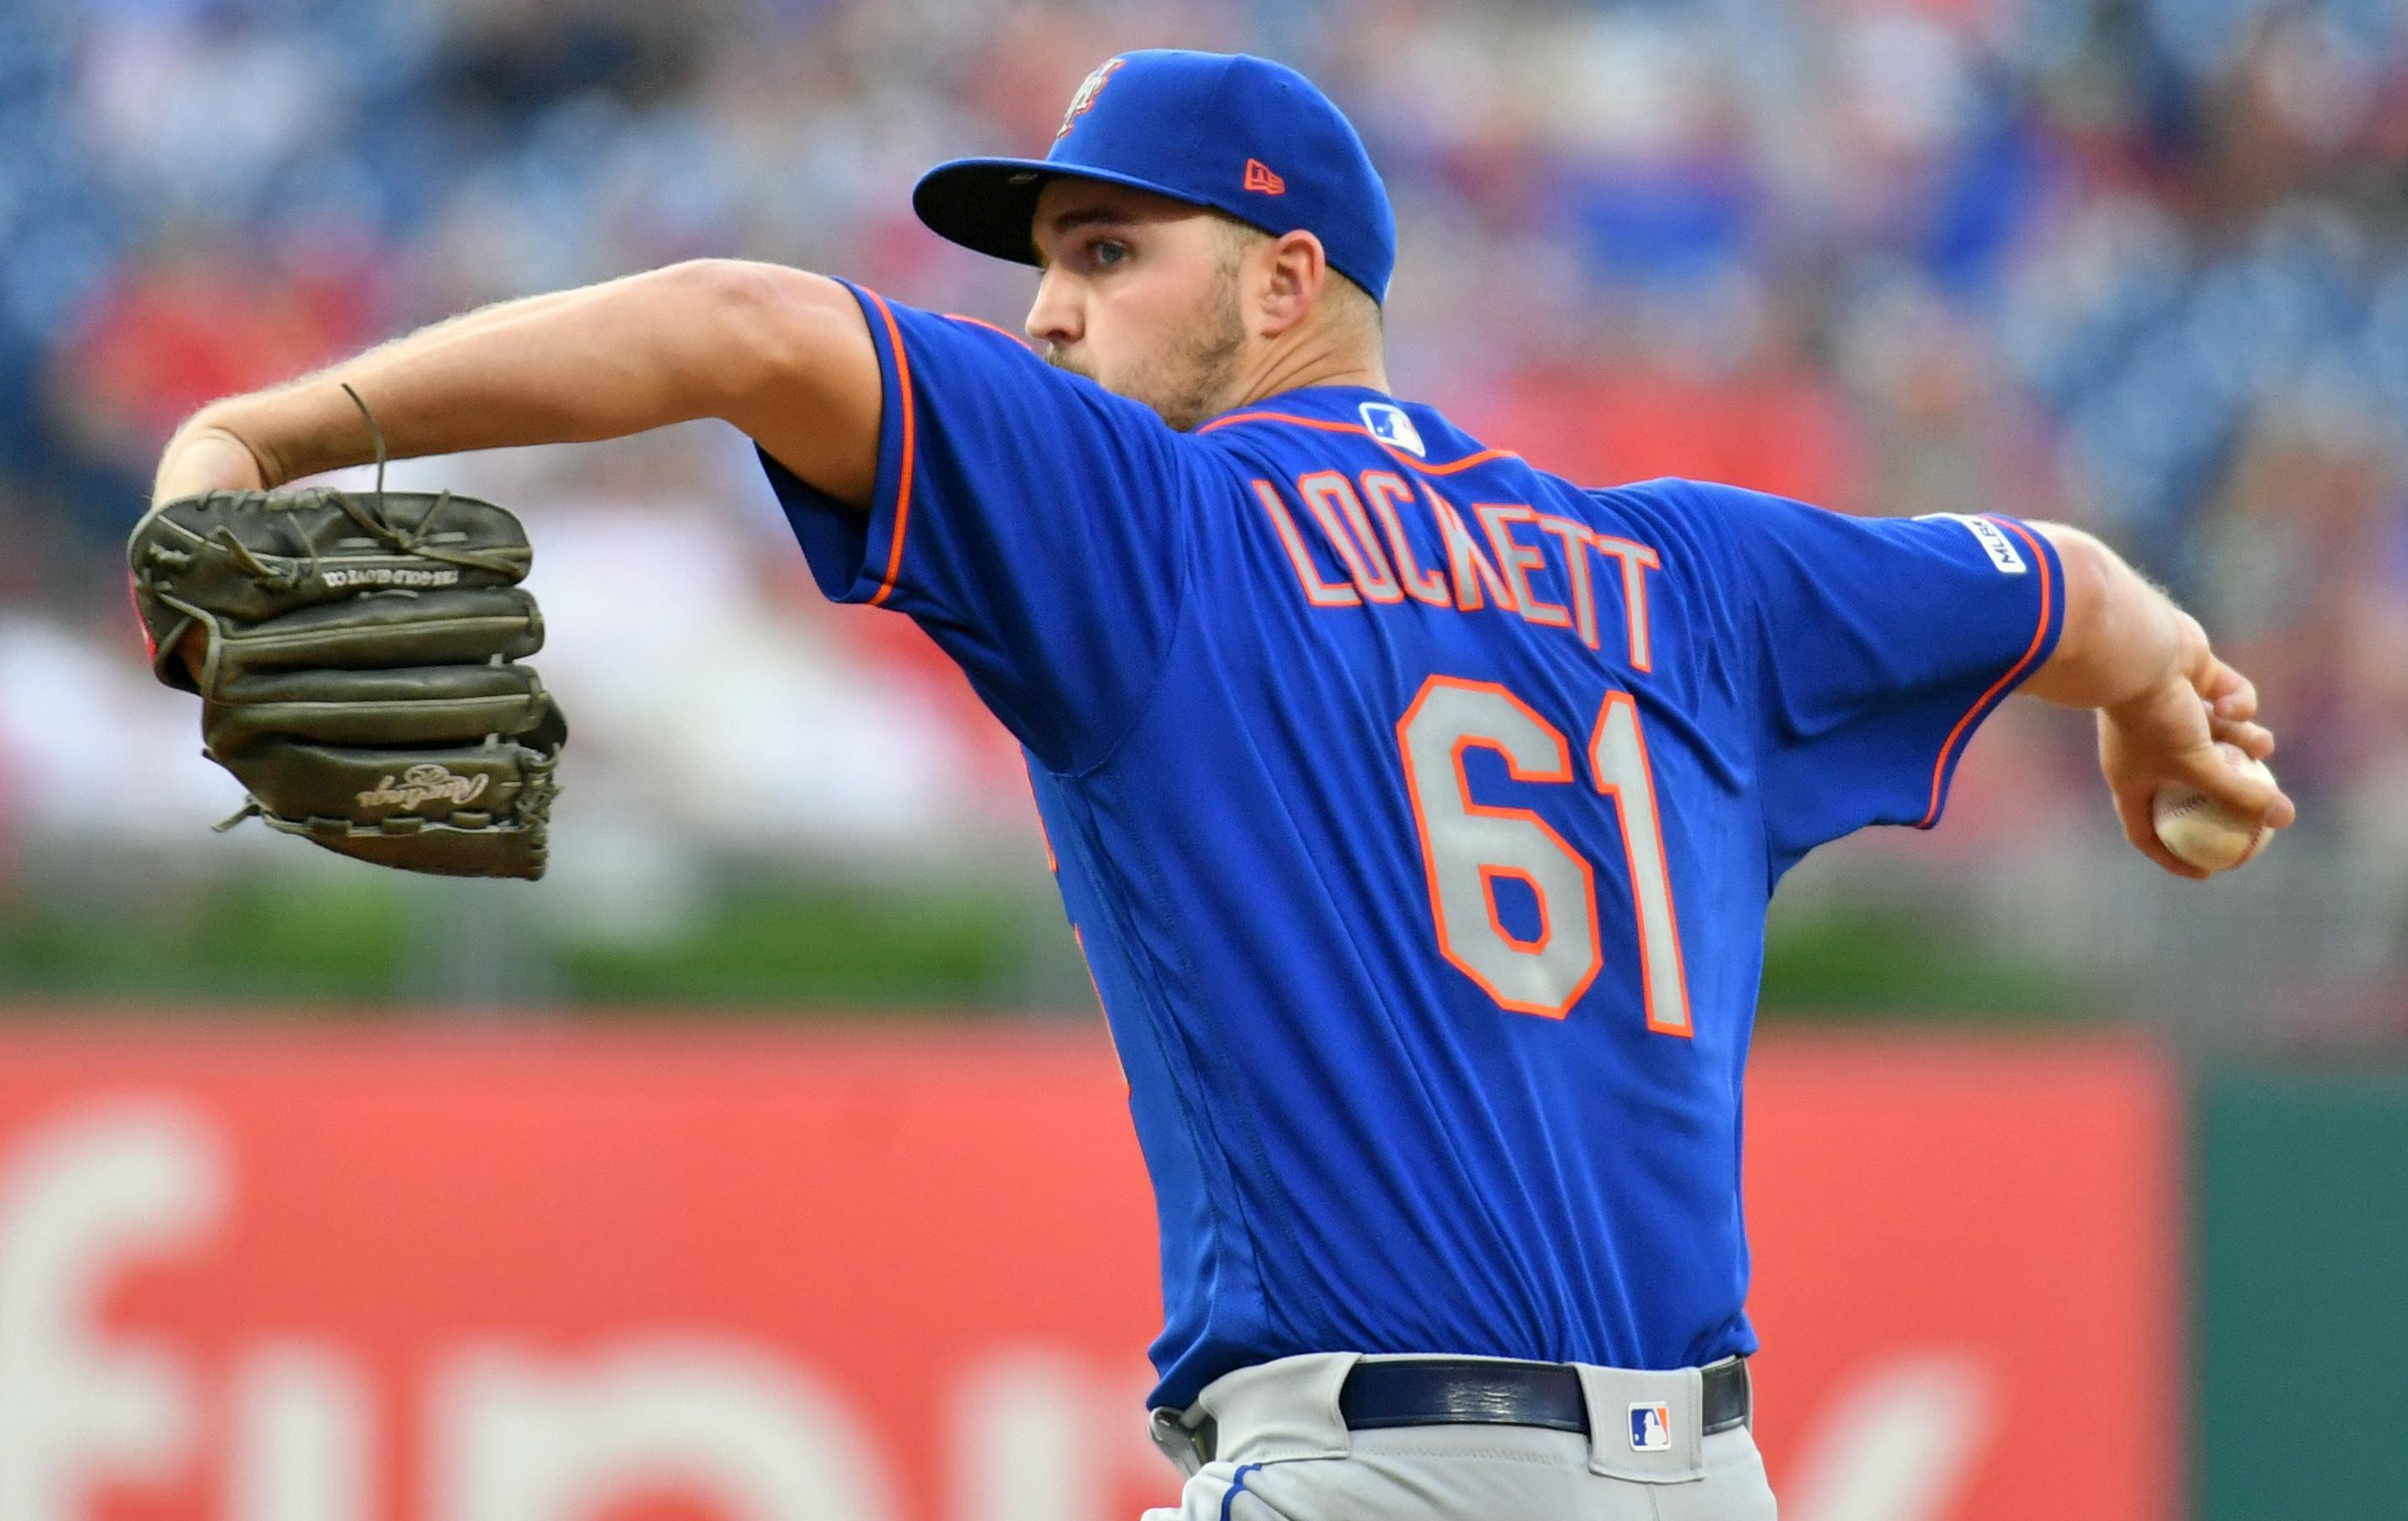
point(981, 322)
point(1327, 425)
point(903, 480)
point(1079, 939)
point(2014, 672)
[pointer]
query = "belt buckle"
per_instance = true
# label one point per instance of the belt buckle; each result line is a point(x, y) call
point(1188, 1447)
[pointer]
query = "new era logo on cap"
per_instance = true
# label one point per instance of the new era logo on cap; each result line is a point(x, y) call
point(1651, 1429)
point(1260, 178)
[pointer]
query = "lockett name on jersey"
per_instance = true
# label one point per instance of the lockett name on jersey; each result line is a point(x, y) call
point(1395, 540)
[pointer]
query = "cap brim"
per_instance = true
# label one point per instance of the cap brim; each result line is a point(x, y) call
point(990, 204)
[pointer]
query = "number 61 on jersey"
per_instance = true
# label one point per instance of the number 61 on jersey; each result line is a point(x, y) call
point(1467, 846)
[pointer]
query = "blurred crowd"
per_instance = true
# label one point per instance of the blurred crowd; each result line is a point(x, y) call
point(2138, 265)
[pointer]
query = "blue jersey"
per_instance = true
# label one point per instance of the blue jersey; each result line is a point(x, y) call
point(1417, 813)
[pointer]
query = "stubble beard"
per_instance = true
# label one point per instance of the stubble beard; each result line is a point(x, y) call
point(1195, 376)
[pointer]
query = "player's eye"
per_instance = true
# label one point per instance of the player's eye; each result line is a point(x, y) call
point(1104, 253)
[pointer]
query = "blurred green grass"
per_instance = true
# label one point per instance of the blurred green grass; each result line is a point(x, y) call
point(369, 942)
point(1868, 962)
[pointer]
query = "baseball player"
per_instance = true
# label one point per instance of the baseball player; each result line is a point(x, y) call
point(1416, 809)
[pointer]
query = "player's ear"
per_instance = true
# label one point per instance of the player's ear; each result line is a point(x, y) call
point(1298, 271)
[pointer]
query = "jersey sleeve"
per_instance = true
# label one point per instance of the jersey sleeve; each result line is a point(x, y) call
point(1035, 524)
point(1880, 645)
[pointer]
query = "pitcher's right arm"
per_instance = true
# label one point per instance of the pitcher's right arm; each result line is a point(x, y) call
point(2163, 698)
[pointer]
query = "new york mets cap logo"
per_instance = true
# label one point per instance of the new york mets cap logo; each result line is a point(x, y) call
point(1085, 101)
point(1651, 1429)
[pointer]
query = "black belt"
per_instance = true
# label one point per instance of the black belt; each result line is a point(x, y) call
point(1453, 1391)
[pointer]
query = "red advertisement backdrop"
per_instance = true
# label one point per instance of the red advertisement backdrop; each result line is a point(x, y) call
point(268, 1276)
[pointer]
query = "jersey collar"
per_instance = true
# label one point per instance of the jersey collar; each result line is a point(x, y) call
point(1415, 435)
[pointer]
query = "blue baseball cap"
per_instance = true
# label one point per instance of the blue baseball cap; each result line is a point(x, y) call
point(1235, 132)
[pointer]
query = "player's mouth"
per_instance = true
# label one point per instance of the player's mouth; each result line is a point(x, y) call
point(1064, 359)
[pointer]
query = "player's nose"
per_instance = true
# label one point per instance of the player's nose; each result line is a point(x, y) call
point(1053, 316)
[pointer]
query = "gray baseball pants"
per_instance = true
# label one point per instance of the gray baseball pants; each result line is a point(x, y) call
point(1282, 1453)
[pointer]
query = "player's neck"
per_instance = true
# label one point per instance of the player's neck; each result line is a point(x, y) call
point(1317, 361)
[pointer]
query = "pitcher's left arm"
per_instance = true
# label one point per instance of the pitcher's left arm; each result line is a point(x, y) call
point(781, 353)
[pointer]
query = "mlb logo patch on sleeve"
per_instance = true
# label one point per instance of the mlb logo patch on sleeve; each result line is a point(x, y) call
point(1651, 1429)
point(1994, 539)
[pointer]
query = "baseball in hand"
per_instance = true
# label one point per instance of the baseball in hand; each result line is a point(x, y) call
point(2202, 832)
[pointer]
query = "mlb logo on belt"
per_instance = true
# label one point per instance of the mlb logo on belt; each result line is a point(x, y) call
point(1651, 1429)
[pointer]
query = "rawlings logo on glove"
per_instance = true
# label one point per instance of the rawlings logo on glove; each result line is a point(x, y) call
point(423, 785)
